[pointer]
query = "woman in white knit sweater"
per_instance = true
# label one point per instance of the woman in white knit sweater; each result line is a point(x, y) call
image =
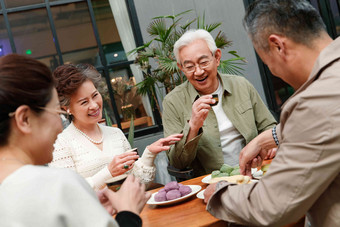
point(96, 152)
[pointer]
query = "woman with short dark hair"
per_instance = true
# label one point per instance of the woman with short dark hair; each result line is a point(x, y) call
point(32, 194)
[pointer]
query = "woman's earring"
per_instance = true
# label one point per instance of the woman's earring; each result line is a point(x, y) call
point(68, 111)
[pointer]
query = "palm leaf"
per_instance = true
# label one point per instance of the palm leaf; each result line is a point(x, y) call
point(172, 16)
point(168, 65)
point(164, 17)
point(234, 53)
point(184, 12)
point(157, 27)
point(185, 26)
point(168, 32)
point(140, 47)
point(201, 24)
point(212, 27)
point(222, 41)
point(231, 66)
point(145, 85)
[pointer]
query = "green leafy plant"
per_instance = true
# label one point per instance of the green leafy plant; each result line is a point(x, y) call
point(165, 31)
point(131, 135)
point(107, 118)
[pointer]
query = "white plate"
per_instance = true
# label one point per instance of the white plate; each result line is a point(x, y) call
point(194, 190)
point(256, 174)
point(206, 179)
point(200, 195)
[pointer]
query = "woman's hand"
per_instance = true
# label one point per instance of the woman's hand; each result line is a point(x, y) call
point(122, 163)
point(164, 143)
point(105, 201)
point(130, 197)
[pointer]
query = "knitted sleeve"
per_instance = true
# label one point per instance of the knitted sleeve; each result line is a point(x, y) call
point(144, 168)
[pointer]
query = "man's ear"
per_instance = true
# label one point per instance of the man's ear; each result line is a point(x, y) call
point(23, 118)
point(218, 55)
point(277, 44)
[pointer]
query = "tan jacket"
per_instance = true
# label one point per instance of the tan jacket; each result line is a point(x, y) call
point(304, 177)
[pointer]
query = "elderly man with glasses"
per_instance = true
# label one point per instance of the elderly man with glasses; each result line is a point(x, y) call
point(215, 130)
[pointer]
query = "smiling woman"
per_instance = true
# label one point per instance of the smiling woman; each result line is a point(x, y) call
point(96, 152)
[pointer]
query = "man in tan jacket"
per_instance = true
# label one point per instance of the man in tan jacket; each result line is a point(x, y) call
point(304, 178)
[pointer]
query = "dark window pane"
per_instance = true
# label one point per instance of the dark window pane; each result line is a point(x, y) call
point(16, 3)
point(5, 46)
point(282, 90)
point(108, 33)
point(315, 3)
point(108, 113)
point(33, 36)
point(75, 33)
point(128, 102)
point(335, 8)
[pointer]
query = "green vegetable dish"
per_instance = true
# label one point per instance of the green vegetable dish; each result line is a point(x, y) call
point(226, 171)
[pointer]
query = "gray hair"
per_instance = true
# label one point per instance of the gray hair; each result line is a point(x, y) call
point(192, 35)
point(295, 19)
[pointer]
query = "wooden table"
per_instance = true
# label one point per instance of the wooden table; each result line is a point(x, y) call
point(190, 212)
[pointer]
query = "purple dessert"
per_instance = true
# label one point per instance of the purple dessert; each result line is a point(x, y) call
point(185, 190)
point(173, 194)
point(171, 186)
point(162, 190)
point(160, 196)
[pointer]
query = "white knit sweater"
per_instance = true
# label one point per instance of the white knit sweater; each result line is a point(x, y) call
point(72, 150)
point(39, 196)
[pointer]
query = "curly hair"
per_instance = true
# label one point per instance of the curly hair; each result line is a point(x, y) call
point(70, 77)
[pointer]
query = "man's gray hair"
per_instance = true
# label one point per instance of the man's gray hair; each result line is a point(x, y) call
point(191, 36)
point(295, 19)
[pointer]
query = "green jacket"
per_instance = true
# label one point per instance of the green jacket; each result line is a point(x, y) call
point(242, 105)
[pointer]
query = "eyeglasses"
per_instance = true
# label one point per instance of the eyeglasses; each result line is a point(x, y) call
point(190, 67)
point(54, 110)
point(46, 109)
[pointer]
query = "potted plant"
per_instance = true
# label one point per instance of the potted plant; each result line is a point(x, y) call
point(157, 61)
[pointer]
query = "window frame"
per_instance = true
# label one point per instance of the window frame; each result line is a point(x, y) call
point(106, 67)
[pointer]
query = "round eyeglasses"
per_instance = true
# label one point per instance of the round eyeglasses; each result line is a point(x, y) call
point(191, 67)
